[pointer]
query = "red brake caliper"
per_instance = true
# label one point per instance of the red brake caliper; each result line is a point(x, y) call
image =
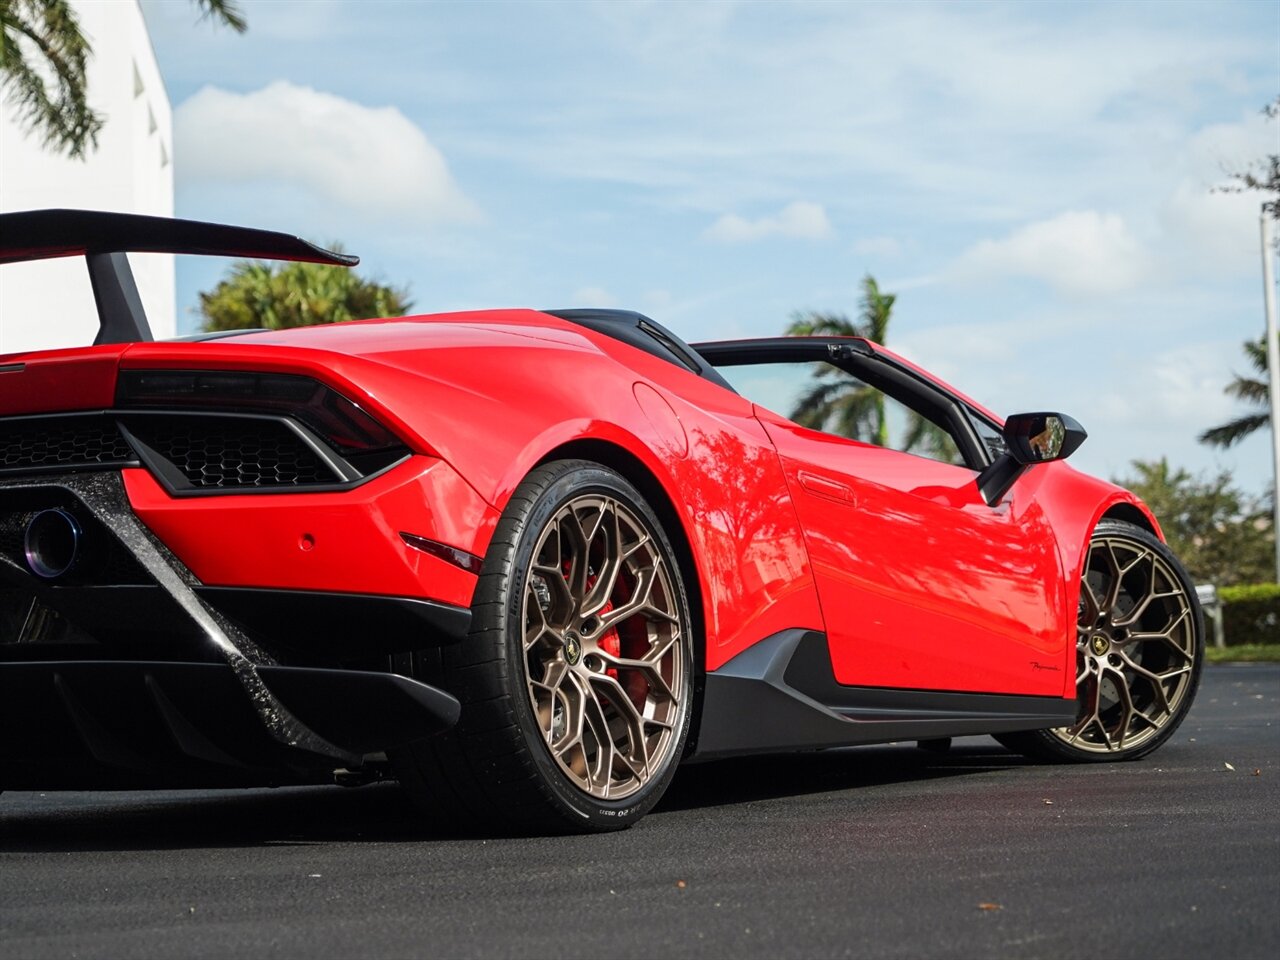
point(634, 683)
point(610, 642)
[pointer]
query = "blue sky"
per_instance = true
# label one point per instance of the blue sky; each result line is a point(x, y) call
point(1033, 179)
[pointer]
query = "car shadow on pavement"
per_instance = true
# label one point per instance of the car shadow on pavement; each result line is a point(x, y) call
point(166, 820)
point(772, 777)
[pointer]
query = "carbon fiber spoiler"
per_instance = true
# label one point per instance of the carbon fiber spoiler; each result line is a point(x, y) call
point(104, 239)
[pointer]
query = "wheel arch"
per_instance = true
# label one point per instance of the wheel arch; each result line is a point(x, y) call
point(643, 479)
point(1130, 513)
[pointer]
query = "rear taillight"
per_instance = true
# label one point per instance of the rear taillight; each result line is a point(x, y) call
point(324, 411)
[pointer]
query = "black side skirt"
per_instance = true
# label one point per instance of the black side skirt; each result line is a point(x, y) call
point(781, 695)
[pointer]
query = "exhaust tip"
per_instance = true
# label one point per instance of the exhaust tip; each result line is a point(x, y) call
point(52, 543)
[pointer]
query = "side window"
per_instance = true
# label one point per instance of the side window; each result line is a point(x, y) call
point(823, 397)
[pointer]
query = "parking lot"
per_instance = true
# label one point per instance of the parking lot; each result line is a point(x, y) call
point(885, 851)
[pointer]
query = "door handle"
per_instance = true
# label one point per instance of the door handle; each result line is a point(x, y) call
point(826, 487)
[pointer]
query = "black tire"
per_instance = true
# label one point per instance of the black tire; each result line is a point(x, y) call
point(495, 769)
point(1134, 688)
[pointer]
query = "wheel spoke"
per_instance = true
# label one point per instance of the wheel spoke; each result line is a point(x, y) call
point(1090, 714)
point(649, 667)
point(541, 631)
point(626, 711)
point(597, 597)
point(640, 602)
point(1165, 634)
point(600, 771)
point(573, 700)
point(1117, 579)
point(1134, 615)
point(1126, 708)
point(552, 577)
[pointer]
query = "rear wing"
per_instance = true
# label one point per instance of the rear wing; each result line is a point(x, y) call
point(104, 239)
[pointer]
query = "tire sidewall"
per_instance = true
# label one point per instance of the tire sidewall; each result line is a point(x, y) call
point(562, 482)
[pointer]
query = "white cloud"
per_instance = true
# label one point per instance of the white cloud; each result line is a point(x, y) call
point(1215, 231)
point(370, 159)
point(1078, 253)
point(877, 247)
point(593, 297)
point(801, 220)
point(1156, 408)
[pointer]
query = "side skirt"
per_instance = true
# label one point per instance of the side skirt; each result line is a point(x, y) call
point(781, 695)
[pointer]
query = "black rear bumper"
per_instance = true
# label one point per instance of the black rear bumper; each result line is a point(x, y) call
point(113, 724)
point(123, 669)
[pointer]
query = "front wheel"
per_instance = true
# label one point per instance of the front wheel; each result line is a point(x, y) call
point(576, 681)
point(1139, 651)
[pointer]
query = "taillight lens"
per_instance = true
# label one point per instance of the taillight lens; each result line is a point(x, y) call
point(323, 410)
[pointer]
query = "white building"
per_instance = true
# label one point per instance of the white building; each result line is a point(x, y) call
point(49, 303)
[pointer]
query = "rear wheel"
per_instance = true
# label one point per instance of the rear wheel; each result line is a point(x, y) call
point(576, 680)
point(1139, 651)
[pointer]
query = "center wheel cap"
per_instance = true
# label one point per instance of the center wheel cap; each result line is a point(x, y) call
point(572, 649)
point(1100, 645)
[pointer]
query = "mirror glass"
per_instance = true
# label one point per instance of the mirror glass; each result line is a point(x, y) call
point(1040, 437)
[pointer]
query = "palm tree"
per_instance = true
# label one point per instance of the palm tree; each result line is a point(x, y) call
point(42, 38)
point(275, 296)
point(1254, 392)
point(838, 403)
point(841, 404)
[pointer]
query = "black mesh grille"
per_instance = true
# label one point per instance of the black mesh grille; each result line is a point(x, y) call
point(189, 452)
point(61, 442)
point(217, 452)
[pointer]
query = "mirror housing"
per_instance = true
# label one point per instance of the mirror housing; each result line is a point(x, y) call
point(1030, 438)
point(1041, 437)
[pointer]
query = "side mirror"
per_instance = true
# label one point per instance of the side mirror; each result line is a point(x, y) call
point(1040, 437)
point(1030, 438)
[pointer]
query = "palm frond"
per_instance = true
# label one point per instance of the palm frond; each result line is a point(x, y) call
point(928, 439)
point(1254, 392)
point(57, 110)
point(818, 405)
point(225, 12)
point(859, 415)
point(876, 310)
point(816, 324)
point(1234, 431)
point(1256, 351)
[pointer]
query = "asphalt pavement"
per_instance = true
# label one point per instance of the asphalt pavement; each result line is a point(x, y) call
point(881, 851)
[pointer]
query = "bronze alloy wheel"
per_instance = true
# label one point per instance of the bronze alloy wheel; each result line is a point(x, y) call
point(603, 646)
point(577, 679)
point(1139, 650)
point(1135, 646)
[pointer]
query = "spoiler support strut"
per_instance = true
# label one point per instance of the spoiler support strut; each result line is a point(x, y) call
point(121, 316)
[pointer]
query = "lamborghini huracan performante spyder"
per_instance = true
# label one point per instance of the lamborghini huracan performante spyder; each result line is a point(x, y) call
point(528, 562)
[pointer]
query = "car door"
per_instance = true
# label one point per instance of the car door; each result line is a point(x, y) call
point(923, 585)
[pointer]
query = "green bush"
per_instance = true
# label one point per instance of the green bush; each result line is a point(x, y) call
point(1251, 614)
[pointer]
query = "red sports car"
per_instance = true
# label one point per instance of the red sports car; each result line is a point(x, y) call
point(528, 562)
